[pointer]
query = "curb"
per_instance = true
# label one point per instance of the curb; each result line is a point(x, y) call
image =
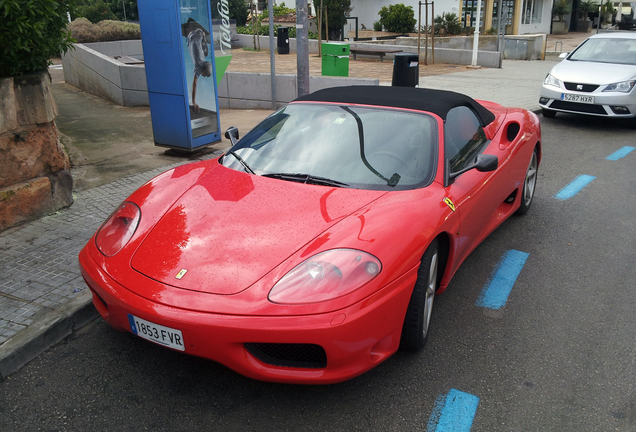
point(46, 332)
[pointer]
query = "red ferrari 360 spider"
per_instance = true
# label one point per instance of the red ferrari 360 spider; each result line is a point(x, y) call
point(313, 249)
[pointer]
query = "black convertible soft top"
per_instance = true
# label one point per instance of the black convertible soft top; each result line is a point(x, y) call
point(435, 101)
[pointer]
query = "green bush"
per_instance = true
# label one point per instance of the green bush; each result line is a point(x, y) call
point(264, 31)
point(336, 11)
point(279, 10)
point(104, 31)
point(397, 18)
point(117, 7)
point(447, 25)
point(32, 32)
point(561, 9)
point(96, 12)
point(377, 26)
point(238, 11)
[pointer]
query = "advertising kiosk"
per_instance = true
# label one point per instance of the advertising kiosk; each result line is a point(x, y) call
point(178, 43)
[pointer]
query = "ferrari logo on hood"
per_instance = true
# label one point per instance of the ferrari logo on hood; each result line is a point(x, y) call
point(449, 203)
point(181, 274)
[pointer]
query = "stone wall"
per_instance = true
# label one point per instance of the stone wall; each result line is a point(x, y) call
point(35, 176)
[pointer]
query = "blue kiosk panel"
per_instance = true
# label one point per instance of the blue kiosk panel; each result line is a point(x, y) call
point(180, 72)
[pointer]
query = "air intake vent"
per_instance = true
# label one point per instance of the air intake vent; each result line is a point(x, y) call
point(578, 107)
point(307, 356)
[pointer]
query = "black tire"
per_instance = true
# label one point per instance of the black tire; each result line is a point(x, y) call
point(418, 315)
point(529, 183)
point(548, 113)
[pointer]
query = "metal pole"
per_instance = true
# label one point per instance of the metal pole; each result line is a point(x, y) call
point(433, 33)
point(419, 28)
point(302, 47)
point(426, 33)
point(327, 22)
point(320, 30)
point(123, 5)
point(501, 30)
point(254, 23)
point(476, 36)
point(271, 53)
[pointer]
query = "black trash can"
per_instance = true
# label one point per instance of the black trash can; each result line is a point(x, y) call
point(406, 70)
point(283, 40)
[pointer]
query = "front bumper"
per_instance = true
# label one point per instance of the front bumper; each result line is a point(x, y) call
point(606, 104)
point(355, 339)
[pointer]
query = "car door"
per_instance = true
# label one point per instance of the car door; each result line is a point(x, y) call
point(475, 195)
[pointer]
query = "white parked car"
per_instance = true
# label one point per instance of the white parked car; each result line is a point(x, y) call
point(597, 78)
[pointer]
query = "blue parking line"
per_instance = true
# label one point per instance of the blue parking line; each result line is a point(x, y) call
point(574, 187)
point(453, 412)
point(621, 153)
point(495, 293)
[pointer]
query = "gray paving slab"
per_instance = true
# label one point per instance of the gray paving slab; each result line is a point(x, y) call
point(41, 289)
point(516, 84)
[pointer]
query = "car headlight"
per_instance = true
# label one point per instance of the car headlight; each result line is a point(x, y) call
point(552, 81)
point(118, 229)
point(326, 276)
point(622, 87)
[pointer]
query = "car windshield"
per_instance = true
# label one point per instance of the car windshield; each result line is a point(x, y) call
point(341, 145)
point(607, 50)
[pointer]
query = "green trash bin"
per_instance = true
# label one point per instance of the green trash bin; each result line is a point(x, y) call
point(335, 59)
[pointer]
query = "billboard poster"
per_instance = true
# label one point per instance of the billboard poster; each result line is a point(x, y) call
point(198, 57)
point(222, 37)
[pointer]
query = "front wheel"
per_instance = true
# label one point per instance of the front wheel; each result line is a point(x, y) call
point(418, 314)
point(529, 184)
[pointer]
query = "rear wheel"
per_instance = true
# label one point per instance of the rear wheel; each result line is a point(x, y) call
point(529, 184)
point(548, 113)
point(418, 314)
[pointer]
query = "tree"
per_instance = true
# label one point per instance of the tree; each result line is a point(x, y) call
point(117, 7)
point(32, 33)
point(447, 24)
point(239, 11)
point(397, 18)
point(337, 11)
point(96, 11)
point(560, 9)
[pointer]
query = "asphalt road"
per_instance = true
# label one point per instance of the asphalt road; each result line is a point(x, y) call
point(559, 356)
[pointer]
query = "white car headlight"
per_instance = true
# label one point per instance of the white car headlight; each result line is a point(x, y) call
point(552, 81)
point(622, 87)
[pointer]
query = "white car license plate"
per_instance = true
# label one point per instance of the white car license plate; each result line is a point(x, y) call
point(577, 98)
point(156, 333)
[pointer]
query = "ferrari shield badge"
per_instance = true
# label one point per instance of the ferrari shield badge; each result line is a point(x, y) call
point(181, 274)
point(449, 203)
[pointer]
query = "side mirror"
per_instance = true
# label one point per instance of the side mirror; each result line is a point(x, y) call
point(232, 133)
point(484, 163)
point(563, 55)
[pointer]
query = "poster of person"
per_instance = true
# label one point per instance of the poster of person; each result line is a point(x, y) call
point(198, 57)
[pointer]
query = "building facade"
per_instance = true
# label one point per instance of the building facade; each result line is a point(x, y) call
point(521, 17)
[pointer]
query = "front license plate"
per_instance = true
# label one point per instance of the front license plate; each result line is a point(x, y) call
point(577, 98)
point(156, 333)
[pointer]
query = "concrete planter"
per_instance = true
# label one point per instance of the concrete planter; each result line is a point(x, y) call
point(559, 27)
point(583, 26)
point(35, 176)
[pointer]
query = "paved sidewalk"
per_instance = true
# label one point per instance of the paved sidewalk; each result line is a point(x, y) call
point(42, 295)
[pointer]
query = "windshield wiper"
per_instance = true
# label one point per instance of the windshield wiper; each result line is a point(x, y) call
point(241, 161)
point(395, 178)
point(306, 178)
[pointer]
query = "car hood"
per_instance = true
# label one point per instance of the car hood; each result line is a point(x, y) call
point(231, 228)
point(592, 73)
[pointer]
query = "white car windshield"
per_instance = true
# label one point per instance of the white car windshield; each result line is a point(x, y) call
point(607, 50)
point(341, 145)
